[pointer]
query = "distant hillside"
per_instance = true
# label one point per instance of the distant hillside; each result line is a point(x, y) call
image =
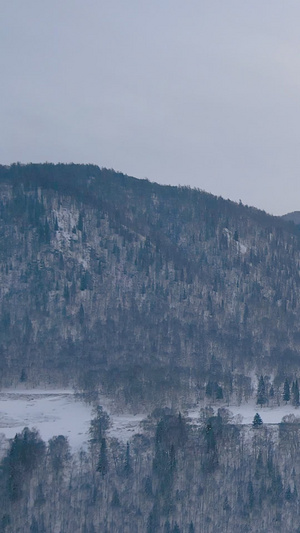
point(292, 217)
point(148, 292)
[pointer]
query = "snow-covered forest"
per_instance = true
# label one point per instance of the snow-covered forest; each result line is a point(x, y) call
point(149, 341)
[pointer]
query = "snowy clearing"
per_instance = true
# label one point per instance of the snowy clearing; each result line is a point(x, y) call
point(50, 412)
point(244, 413)
point(125, 426)
point(58, 412)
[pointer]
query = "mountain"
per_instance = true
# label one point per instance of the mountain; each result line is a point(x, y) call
point(292, 217)
point(151, 299)
point(137, 289)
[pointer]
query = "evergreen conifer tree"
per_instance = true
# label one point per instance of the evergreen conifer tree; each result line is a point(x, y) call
point(167, 527)
point(219, 394)
point(103, 463)
point(295, 393)
point(257, 421)
point(115, 502)
point(261, 392)
point(286, 391)
point(127, 467)
point(251, 494)
point(172, 458)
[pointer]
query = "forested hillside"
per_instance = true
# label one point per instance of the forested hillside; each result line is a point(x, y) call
point(145, 292)
point(162, 299)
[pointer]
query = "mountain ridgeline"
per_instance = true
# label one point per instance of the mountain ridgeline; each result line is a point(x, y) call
point(145, 292)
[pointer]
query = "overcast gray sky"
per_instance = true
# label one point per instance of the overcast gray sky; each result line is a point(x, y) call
point(202, 93)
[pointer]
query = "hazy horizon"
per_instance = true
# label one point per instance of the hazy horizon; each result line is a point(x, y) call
point(197, 94)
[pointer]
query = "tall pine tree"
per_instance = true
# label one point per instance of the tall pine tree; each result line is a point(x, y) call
point(295, 393)
point(286, 391)
point(261, 392)
point(103, 462)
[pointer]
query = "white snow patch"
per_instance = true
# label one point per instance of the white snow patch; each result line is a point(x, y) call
point(269, 415)
point(243, 248)
point(239, 246)
point(125, 426)
point(244, 413)
point(52, 413)
point(59, 412)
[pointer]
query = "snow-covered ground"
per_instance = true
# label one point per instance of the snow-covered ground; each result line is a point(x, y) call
point(125, 426)
point(269, 415)
point(244, 413)
point(50, 412)
point(57, 412)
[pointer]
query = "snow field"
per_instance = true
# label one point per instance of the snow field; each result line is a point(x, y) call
point(244, 413)
point(57, 412)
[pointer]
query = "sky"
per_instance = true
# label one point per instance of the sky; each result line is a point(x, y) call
point(203, 93)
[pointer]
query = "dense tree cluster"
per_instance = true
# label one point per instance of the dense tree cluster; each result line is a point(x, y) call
point(174, 477)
